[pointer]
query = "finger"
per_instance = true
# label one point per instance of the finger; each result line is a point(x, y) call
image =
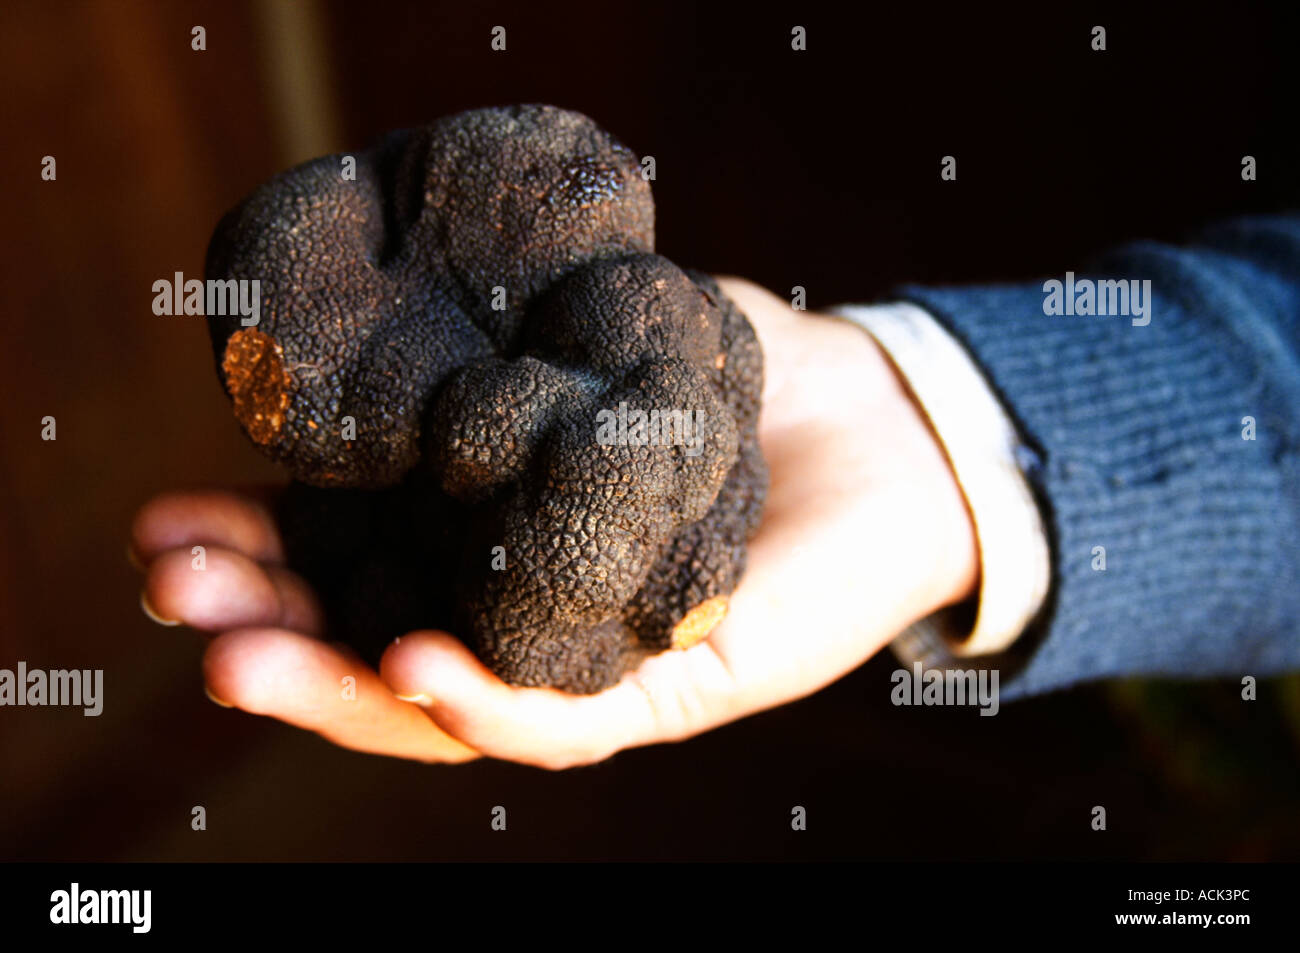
point(205, 517)
point(314, 686)
point(231, 591)
point(538, 726)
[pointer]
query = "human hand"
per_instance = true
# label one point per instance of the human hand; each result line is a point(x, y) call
point(864, 531)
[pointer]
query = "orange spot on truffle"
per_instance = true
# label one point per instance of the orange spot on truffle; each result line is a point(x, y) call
point(699, 622)
point(258, 383)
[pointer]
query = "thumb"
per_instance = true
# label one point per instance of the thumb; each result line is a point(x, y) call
point(539, 726)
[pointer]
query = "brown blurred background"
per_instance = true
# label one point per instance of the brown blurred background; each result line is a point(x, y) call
point(818, 169)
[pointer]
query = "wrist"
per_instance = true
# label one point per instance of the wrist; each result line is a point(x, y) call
point(908, 470)
point(831, 391)
point(984, 450)
point(939, 509)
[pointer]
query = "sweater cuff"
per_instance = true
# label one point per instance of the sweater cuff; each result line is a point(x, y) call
point(983, 448)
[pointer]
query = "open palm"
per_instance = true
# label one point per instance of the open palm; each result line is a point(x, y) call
point(864, 531)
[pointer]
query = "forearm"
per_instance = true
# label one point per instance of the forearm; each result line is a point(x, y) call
point(1173, 538)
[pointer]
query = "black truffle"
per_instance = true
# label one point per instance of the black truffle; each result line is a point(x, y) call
point(506, 415)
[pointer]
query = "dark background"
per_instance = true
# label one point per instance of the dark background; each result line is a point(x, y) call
point(818, 168)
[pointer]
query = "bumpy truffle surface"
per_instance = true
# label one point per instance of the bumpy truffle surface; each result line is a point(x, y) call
point(505, 415)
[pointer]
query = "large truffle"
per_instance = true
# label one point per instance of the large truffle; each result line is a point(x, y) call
point(505, 415)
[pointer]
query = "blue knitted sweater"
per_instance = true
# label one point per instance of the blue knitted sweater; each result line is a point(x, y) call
point(1136, 441)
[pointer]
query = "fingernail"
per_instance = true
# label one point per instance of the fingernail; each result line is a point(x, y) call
point(132, 558)
point(152, 613)
point(207, 691)
point(417, 699)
